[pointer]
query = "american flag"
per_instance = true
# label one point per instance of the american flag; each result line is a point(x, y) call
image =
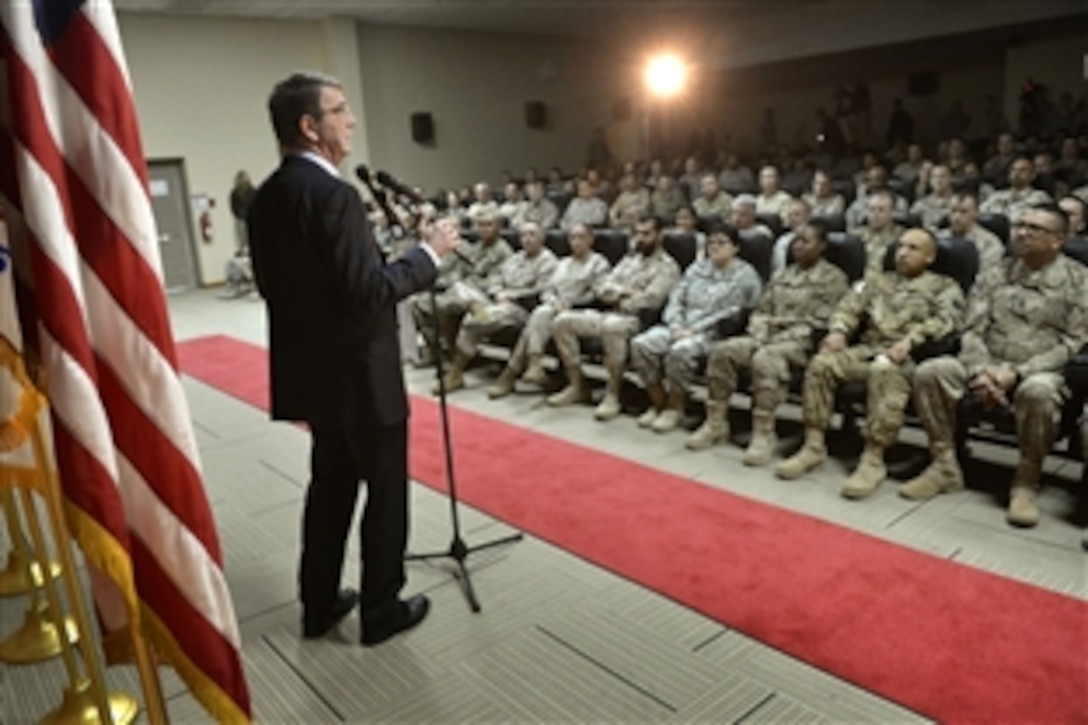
point(73, 175)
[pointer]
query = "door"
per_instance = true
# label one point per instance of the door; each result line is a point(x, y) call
point(173, 218)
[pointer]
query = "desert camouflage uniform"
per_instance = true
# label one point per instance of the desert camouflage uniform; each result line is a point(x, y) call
point(774, 204)
point(663, 204)
point(628, 207)
point(780, 334)
point(520, 276)
point(1013, 202)
point(991, 250)
point(876, 245)
point(720, 206)
point(933, 210)
point(1031, 321)
point(833, 205)
point(543, 213)
point(638, 282)
point(463, 279)
point(571, 284)
point(592, 212)
point(927, 307)
point(704, 296)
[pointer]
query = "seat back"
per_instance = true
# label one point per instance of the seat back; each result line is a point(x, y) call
point(612, 243)
point(681, 245)
point(847, 252)
point(996, 223)
point(756, 249)
point(1077, 248)
point(558, 241)
point(772, 222)
point(909, 221)
point(832, 223)
point(512, 237)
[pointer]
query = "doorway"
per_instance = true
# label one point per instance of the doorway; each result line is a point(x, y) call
point(173, 218)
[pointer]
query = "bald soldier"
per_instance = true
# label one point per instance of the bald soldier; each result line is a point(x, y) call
point(798, 301)
point(1026, 318)
point(903, 308)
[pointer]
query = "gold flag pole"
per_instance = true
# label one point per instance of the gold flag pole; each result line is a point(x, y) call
point(20, 575)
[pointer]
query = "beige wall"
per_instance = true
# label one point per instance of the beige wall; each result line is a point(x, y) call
point(200, 87)
point(475, 86)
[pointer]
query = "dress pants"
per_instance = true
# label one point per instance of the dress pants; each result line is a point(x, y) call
point(339, 459)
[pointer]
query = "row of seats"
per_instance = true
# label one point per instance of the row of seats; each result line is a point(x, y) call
point(957, 258)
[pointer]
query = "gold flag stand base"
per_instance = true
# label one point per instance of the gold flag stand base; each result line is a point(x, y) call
point(21, 575)
point(37, 640)
point(79, 707)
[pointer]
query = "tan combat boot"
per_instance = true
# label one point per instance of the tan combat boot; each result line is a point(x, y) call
point(1025, 482)
point(609, 408)
point(764, 441)
point(943, 475)
point(535, 372)
point(657, 403)
point(455, 379)
point(869, 474)
point(576, 391)
point(672, 414)
point(714, 430)
point(503, 385)
point(812, 454)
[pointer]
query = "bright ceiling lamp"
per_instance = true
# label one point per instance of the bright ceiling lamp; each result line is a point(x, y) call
point(665, 75)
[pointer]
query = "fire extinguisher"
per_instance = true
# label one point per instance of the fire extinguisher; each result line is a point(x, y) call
point(207, 233)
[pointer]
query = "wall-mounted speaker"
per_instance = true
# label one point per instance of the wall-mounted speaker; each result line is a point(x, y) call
point(925, 83)
point(536, 114)
point(422, 128)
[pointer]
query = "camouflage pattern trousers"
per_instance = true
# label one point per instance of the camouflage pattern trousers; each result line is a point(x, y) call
point(440, 318)
point(887, 385)
point(614, 329)
point(770, 363)
point(655, 352)
point(940, 383)
point(534, 336)
point(484, 320)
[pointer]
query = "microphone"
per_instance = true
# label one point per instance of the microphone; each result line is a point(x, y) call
point(389, 182)
point(363, 173)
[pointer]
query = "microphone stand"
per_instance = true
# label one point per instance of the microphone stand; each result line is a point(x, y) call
point(458, 550)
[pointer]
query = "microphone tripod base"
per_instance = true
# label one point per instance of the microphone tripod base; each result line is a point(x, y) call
point(459, 552)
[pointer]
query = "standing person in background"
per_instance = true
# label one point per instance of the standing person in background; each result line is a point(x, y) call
point(241, 196)
point(334, 355)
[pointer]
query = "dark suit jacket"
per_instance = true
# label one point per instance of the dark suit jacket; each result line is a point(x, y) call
point(331, 298)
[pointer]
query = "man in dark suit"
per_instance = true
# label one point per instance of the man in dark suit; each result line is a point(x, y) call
point(335, 359)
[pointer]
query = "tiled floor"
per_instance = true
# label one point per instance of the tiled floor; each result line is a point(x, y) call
point(558, 639)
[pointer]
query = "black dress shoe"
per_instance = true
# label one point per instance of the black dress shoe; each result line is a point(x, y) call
point(319, 626)
point(404, 615)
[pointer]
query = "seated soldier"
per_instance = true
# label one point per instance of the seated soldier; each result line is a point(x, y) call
point(963, 223)
point(640, 281)
point(743, 217)
point(876, 180)
point(712, 201)
point(771, 198)
point(667, 355)
point(735, 177)
point(1076, 209)
point(483, 203)
point(798, 302)
point(586, 208)
point(666, 198)
point(903, 308)
point(520, 279)
point(537, 209)
point(935, 206)
point(633, 202)
point(1026, 318)
point(462, 279)
point(571, 285)
point(823, 201)
point(797, 216)
point(880, 230)
point(513, 202)
point(1020, 195)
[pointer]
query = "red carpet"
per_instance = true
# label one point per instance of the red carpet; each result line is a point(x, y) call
point(951, 642)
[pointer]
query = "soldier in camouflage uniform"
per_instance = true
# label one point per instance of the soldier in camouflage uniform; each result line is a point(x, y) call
point(904, 309)
point(586, 208)
point(520, 279)
point(1020, 195)
point(462, 279)
point(712, 201)
point(571, 285)
point(798, 301)
point(1026, 318)
point(712, 289)
point(641, 280)
point(963, 224)
point(880, 231)
point(935, 207)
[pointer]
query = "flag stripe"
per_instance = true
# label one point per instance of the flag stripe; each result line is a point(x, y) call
point(90, 68)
